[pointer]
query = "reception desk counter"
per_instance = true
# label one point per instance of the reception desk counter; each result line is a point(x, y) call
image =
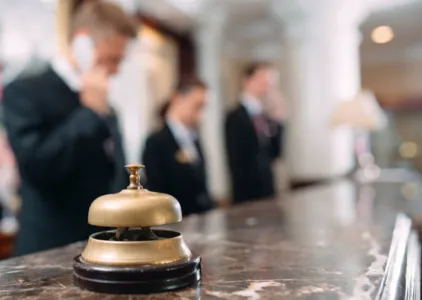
point(335, 241)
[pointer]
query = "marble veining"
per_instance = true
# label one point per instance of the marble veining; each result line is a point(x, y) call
point(295, 247)
point(364, 288)
point(251, 292)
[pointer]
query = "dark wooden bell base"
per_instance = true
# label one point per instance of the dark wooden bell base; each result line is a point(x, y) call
point(136, 280)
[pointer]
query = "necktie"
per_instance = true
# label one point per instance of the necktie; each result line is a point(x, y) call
point(261, 125)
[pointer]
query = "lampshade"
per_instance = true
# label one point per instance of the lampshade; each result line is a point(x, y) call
point(362, 113)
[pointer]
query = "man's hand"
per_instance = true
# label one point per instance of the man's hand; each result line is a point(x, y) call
point(276, 107)
point(94, 90)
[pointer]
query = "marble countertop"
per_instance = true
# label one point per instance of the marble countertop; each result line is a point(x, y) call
point(324, 242)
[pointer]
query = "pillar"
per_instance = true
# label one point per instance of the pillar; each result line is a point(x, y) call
point(209, 60)
point(323, 68)
point(129, 97)
point(64, 12)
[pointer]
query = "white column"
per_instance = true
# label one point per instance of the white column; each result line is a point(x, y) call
point(209, 58)
point(128, 95)
point(323, 68)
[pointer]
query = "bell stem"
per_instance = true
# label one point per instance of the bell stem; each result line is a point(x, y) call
point(134, 177)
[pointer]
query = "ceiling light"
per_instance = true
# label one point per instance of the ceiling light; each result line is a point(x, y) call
point(408, 150)
point(382, 34)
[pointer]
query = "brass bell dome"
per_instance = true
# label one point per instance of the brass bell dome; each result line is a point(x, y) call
point(134, 206)
point(134, 243)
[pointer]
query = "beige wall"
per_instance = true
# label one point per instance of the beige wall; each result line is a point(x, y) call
point(393, 79)
point(232, 70)
point(161, 55)
point(145, 80)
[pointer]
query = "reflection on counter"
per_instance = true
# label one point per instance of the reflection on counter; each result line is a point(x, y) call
point(324, 242)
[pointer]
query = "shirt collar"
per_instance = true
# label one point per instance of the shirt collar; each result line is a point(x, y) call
point(252, 104)
point(67, 73)
point(180, 131)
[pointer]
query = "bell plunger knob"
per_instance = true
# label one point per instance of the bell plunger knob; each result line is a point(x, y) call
point(134, 178)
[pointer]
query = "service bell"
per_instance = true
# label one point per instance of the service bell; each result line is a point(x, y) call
point(134, 258)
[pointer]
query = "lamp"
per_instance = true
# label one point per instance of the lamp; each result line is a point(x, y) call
point(364, 115)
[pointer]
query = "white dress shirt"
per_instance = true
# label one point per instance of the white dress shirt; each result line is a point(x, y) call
point(185, 138)
point(252, 104)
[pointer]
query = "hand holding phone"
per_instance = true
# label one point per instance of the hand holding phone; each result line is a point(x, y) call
point(83, 51)
point(95, 89)
point(276, 106)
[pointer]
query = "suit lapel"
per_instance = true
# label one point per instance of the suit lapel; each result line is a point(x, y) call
point(250, 125)
point(173, 145)
point(175, 148)
point(199, 149)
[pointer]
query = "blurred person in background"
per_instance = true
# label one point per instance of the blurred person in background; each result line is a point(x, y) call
point(9, 185)
point(253, 137)
point(63, 132)
point(174, 160)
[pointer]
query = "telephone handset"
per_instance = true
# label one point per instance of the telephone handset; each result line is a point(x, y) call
point(83, 52)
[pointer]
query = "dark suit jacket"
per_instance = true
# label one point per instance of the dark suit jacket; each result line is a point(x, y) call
point(59, 147)
point(167, 173)
point(250, 157)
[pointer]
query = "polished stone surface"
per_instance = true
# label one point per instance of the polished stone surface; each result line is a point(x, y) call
point(324, 242)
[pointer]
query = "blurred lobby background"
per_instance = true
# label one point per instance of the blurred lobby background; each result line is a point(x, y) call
point(326, 51)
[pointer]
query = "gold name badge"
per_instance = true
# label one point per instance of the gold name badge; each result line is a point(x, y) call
point(182, 157)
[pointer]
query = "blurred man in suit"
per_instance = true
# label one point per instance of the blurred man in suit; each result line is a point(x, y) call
point(173, 157)
point(63, 132)
point(253, 139)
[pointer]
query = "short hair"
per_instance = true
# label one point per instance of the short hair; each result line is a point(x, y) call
point(184, 86)
point(102, 16)
point(252, 68)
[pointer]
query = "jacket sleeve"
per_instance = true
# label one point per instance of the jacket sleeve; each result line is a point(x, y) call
point(277, 141)
point(152, 158)
point(48, 155)
point(236, 151)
